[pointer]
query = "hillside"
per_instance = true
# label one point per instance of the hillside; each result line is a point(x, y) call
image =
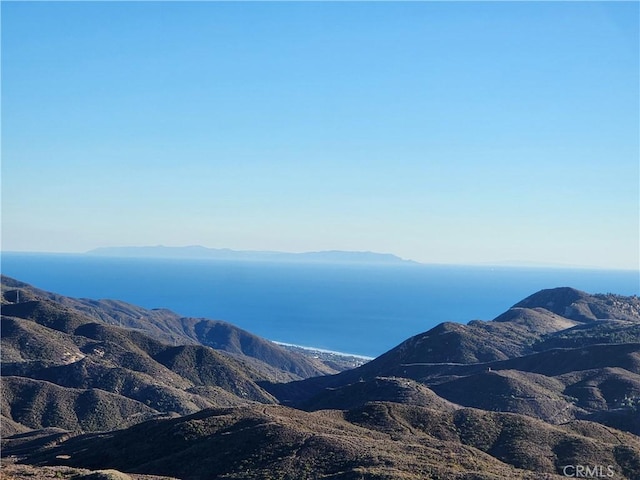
point(49, 381)
point(554, 381)
point(160, 324)
point(39, 404)
point(65, 368)
point(376, 441)
point(529, 360)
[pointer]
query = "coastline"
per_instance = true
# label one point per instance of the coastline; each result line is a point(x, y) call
point(337, 360)
point(322, 350)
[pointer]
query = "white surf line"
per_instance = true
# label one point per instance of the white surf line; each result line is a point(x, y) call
point(425, 364)
point(322, 350)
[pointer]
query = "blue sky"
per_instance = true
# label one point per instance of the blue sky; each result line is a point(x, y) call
point(442, 132)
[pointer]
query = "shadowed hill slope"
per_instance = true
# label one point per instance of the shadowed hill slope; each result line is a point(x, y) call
point(75, 369)
point(66, 314)
point(38, 404)
point(375, 441)
point(380, 389)
point(58, 364)
point(512, 363)
point(583, 307)
point(551, 382)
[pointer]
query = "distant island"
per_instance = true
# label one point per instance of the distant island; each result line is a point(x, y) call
point(200, 252)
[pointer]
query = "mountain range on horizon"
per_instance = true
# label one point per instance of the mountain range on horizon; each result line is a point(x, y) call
point(324, 256)
point(200, 252)
point(103, 384)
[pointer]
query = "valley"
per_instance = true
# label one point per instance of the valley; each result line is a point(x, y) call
point(104, 385)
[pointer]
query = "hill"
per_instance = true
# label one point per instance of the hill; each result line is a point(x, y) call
point(63, 366)
point(529, 360)
point(379, 440)
point(50, 381)
point(65, 313)
point(38, 404)
point(554, 381)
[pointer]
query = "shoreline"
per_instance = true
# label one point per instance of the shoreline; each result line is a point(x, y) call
point(322, 350)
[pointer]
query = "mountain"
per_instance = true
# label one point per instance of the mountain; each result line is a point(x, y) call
point(200, 252)
point(582, 307)
point(378, 440)
point(62, 356)
point(140, 373)
point(40, 404)
point(529, 360)
point(56, 311)
point(101, 384)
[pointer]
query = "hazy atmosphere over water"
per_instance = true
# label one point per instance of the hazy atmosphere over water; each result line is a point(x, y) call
point(441, 132)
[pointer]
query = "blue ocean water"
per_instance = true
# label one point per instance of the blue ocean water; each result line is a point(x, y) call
point(360, 309)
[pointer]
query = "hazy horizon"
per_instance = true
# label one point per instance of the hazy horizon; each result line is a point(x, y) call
point(441, 132)
point(509, 263)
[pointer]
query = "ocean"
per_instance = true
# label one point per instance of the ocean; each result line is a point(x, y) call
point(357, 309)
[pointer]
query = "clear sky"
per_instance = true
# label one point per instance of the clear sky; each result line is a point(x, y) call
point(441, 132)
